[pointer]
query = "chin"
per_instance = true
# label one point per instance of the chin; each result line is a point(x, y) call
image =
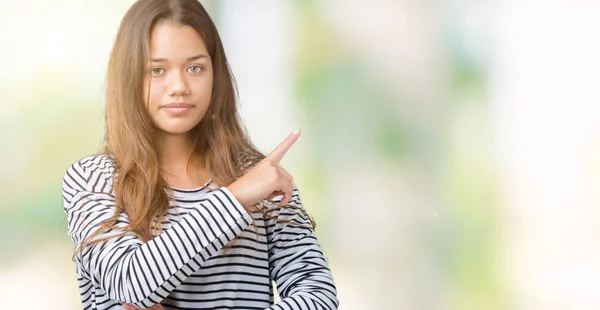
point(177, 130)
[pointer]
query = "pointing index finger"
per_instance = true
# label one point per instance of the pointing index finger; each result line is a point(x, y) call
point(277, 154)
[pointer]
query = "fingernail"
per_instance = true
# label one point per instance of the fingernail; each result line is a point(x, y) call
point(296, 131)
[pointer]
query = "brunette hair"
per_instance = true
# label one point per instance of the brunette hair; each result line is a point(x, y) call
point(220, 140)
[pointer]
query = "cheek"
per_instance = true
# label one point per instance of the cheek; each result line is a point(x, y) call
point(206, 88)
point(151, 93)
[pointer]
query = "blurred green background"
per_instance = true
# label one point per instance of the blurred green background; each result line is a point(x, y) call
point(450, 150)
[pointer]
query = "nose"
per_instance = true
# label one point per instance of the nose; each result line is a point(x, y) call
point(178, 85)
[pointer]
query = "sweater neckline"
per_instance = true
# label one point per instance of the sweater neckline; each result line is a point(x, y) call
point(192, 190)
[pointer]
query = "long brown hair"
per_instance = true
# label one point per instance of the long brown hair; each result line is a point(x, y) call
point(220, 140)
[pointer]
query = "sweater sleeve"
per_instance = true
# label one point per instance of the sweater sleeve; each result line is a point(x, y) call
point(296, 261)
point(129, 270)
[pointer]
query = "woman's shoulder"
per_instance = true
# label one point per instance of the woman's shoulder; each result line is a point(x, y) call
point(91, 173)
point(248, 159)
point(96, 163)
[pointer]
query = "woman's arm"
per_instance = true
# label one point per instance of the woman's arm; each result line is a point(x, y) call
point(137, 273)
point(296, 261)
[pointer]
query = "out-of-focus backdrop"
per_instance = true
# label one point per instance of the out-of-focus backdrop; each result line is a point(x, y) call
point(450, 150)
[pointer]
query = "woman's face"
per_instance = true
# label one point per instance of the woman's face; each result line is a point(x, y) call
point(179, 82)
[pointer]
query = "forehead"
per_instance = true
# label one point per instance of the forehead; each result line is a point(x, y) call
point(174, 41)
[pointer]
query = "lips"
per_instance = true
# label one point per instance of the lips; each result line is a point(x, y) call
point(177, 108)
point(177, 105)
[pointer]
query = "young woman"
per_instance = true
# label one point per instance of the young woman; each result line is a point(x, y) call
point(181, 211)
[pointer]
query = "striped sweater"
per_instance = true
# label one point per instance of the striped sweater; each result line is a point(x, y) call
point(185, 266)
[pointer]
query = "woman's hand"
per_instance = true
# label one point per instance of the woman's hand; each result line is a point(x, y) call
point(267, 179)
point(130, 307)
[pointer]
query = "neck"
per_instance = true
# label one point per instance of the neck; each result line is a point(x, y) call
point(174, 153)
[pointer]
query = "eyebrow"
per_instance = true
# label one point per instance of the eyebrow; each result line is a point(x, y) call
point(199, 56)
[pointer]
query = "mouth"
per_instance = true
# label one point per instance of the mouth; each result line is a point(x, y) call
point(177, 107)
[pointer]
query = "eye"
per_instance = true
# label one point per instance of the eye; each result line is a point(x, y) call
point(195, 69)
point(158, 71)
